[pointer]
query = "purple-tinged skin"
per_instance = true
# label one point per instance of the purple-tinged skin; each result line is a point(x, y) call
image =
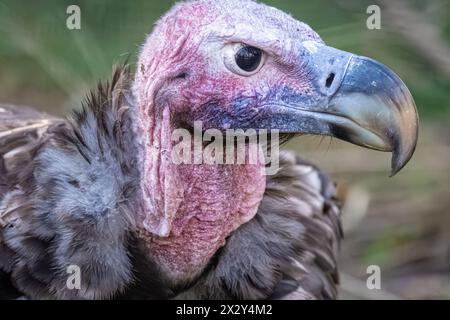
point(182, 75)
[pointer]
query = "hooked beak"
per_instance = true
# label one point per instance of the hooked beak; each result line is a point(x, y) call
point(356, 99)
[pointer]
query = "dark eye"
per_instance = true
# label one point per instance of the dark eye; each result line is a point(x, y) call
point(248, 58)
point(243, 59)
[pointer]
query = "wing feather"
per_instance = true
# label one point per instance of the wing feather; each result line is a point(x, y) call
point(21, 130)
point(64, 198)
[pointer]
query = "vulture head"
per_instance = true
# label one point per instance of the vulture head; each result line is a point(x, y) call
point(239, 64)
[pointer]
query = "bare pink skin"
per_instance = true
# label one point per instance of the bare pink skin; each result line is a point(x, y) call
point(216, 201)
point(188, 211)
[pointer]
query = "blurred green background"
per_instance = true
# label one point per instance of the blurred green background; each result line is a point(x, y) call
point(401, 224)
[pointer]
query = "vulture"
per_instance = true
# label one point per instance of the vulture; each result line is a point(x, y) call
point(98, 190)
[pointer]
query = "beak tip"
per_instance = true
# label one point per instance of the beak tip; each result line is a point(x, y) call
point(396, 167)
point(396, 164)
point(401, 157)
point(394, 171)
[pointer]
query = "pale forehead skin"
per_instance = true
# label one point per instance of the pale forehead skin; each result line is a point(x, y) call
point(199, 25)
point(252, 21)
point(237, 19)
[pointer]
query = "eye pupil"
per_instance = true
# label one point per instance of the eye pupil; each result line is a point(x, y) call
point(248, 58)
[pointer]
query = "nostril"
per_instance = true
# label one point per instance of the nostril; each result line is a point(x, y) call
point(329, 80)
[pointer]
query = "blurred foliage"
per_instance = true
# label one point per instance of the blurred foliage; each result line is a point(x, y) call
point(45, 64)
